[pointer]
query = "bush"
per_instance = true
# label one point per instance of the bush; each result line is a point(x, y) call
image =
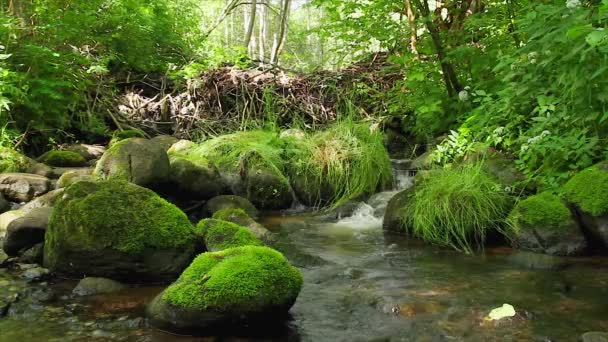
point(456, 207)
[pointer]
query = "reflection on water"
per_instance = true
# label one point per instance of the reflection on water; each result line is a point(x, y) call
point(360, 285)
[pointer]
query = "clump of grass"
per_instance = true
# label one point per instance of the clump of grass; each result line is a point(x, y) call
point(349, 159)
point(456, 207)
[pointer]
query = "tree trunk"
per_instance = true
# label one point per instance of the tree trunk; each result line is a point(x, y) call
point(411, 19)
point(250, 26)
point(280, 38)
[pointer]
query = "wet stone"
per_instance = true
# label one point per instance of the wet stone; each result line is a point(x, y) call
point(36, 274)
point(594, 336)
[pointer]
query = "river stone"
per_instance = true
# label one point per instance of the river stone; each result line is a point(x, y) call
point(57, 158)
point(268, 189)
point(74, 176)
point(4, 204)
point(36, 274)
point(219, 235)
point(118, 230)
point(228, 289)
point(342, 211)
point(229, 202)
point(181, 146)
point(543, 224)
point(92, 286)
point(240, 217)
point(23, 187)
point(136, 160)
point(393, 221)
point(594, 336)
point(7, 218)
point(88, 152)
point(45, 201)
point(26, 231)
point(165, 141)
point(197, 179)
point(33, 255)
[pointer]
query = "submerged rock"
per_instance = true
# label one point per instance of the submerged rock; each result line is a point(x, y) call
point(92, 286)
point(393, 221)
point(118, 230)
point(196, 178)
point(23, 187)
point(230, 202)
point(219, 235)
point(543, 224)
point(136, 160)
point(587, 191)
point(26, 231)
point(231, 288)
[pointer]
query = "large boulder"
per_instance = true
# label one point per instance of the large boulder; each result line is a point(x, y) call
point(62, 159)
point(70, 177)
point(88, 152)
point(165, 141)
point(267, 188)
point(45, 201)
point(118, 230)
point(26, 231)
point(123, 134)
point(587, 193)
point(231, 288)
point(13, 161)
point(8, 217)
point(181, 146)
point(393, 215)
point(23, 187)
point(229, 202)
point(136, 160)
point(219, 235)
point(196, 178)
point(543, 224)
point(241, 218)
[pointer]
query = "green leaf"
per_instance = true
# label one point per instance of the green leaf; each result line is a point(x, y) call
point(596, 37)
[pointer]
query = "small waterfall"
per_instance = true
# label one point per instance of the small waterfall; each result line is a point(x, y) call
point(369, 214)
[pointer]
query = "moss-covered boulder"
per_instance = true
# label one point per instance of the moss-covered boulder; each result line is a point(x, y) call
point(219, 235)
point(88, 152)
point(118, 230)
point(587, 192)
point(229, 202)
point(181, 147)
point(120, 135)
point(240, 217)
point(195, 178)
point(232, 288)
point(73, 176)
point(136, 160)
point(165, 141)
point(268, 189)
point(543, 224)
point(62, 159)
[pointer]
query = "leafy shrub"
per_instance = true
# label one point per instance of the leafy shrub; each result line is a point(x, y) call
point(456, 207)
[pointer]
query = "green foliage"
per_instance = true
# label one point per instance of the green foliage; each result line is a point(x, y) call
point(545, 211)
point(219, 235)
point(587, 190)
point(117, 215)
point(244, 279)
point(456, 207)
point(62, 159)
point(349, 160)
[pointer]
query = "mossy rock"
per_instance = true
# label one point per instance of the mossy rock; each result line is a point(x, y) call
point(196, 178)
point(219, 235)
point(120, 135)
point(165, 141)
point(543, 224)
point(240, 217)
point(13, 161)
point(393, 221)
point(312, 193)
point(230, 202)
point(232, 288)
point(88, 152)
point(70, 177)
point(181, 147)
point(136, 160)
point(587, 192)
point(62, 159)
point(23, 187)
point(118, 230)
point(268, 189)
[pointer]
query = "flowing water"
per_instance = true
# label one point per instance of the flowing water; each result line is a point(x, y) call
point(360, 285)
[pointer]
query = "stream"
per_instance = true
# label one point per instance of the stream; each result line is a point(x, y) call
point(359, 285)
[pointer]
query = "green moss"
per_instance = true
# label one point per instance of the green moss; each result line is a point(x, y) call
point(230, 214)
point(13, 161)
point(220, 235)
point(587, 190)
point(118, 215)
point(238, 278)
point(455, 207)
point(545, 211)
point(62, 159)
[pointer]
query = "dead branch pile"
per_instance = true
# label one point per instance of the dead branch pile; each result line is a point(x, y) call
point(228, 98)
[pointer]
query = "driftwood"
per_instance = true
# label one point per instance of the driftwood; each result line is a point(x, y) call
point(228, 98)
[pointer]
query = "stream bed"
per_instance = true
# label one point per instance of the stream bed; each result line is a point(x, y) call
point(359, 285)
